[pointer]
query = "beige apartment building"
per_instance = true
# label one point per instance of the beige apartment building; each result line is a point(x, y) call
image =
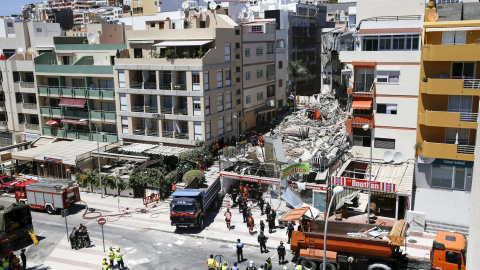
point(145, 7)
point(176, 85)
point(259, 70)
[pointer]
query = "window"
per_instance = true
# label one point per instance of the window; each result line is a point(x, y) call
point(280, 43)
point(205, 79)
point(219, 78)
point(21, 118)
point(229, 123)
point(173, 25)
point(461, 104)
point(124, 125)
point(208, 130)
point(448, 177)
point(387, 108)
point(239, 101)
point(394, 43)
point(280, 83)
point(238, 92)
point(121, 78)
point(39, 30)
point(271, 72)
point(237, 56)
point(237, 79)
point(388, 77)
point(259, 73)
point(29, 77)
point(220, 126)
point(228, 97)
point(123, 102)
point(248, 99)
point(270, 48)
point(220, 102)
point(9, 24)
point(270, 91)
point(463, 70)
point(197, 128)
point(453, 258)
point(196, 81)
point(203, 24)
point(19, 97)
point(207, 106)
point(228, 77)
point(152, 24)
point(237, 69)
point(237, 45)
point(457, 136)
point(8, 53)
point(34, 120)
point(280, 64)
point(237, 32)
point(454, 37)
point(384, 143)
point(247, 52)
point(260, 96)
point(227, 52)
point(257, 28)
point(197, 107)
point(3, 117)
point(259, 51)
point(247, 75)
point(16, 76)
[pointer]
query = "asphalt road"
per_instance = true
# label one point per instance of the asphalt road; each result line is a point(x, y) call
point(143, 248)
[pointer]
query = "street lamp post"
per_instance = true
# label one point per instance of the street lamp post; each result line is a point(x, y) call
point(336, 190)
point(366, 127)
point(235, 116)
point(98, 155)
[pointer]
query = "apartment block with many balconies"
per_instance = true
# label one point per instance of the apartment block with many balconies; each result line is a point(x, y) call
point(178, 85)
point(448, 107)
point(76, 90)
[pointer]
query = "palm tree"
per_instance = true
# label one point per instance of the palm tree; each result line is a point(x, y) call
point(296, 70)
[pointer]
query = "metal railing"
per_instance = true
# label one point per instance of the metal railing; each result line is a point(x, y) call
point(149, 85)
point(29, 106)
point(466, 149)
point(3, 124)
point(138, 109)
point(140, 131)
point(136, 85)
point(76, 92)
point(179, 86)
point(182, 111)
point(27, 84)
point(471, 83)
point(152, 132)
point(468, 117)
point(32, 126)
point(363, 88)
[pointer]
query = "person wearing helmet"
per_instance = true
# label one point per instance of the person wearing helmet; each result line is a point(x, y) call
point(225, 265)
point(228, 217)
point(268, 264)
point(251, 266)
point(119, 258)
point(211, 263)
point(111, 255)
point(281, 253)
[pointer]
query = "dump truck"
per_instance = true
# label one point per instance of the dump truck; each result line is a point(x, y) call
point(15, 222)
point(352, 246)
point(49, 195)
point(188, 207)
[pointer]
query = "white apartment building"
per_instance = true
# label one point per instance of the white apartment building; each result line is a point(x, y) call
point(385, 65)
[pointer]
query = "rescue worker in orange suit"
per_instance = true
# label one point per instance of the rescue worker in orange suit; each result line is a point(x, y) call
point(228, 217)
point(211, 263)
point(251, 223)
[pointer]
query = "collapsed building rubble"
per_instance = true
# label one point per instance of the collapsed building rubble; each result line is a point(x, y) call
point(316, 132)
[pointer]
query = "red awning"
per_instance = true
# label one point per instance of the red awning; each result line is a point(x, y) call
point(72, 102)
point(52, 122)
point(362, 104)
point(73, 121)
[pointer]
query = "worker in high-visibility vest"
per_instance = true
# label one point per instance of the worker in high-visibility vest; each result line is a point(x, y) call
point(211, 263)
point(119, 258)
point(111, 255)
point(6, 263)
point(225, 265)
point(104, 264)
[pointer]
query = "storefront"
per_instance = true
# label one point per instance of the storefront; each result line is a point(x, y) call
point(446, 173)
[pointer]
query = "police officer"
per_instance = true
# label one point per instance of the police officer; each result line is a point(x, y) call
point(262, 226)
point(261, 203)
point(271, 223)
point(268, 208)
point(234, 267)
point(245, 212)
point(262, 240)
point(268, 264)
point(111, 255)
point(240, 204)
point(251, 266)
point(119, 258)
point(290, 230)
point(281, 253)
point(24, 259)
point(211, 263)
point(239, 250)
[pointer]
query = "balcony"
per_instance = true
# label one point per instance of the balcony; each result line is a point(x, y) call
point(448, 151)
point(358, 121)
point(29, 106)
point(75, 134)
point(449, 119)
point(103, 116)
point(34, 127)
point(27, 85)
point(47, 63)
point(361, 89)
point(3, 125)
point(467, 52)
point(74, 92)
point(51, 111)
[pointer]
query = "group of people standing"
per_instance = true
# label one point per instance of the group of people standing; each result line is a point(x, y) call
point(112, 255)
point(80, 238)
point(12, 262)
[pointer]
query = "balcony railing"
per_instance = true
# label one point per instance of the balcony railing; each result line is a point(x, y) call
point(77, 92)
point(362, 119)
point(466, 149)
point(29, 106)
point(136, 85)
point(3, 124)
point(471, 84)
point(363, 88)
point(139, 131)
point(27, 84)
point(77, 134)
point(32, 126)
point(149, 85)
point(179, 86)
point(468, 117)
point(180, 111)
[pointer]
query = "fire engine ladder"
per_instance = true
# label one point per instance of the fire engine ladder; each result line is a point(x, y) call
point(311, 246)
point(32, 235)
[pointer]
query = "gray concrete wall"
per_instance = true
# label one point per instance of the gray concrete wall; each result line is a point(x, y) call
point(474, 233)
point(423, 176)
point(471, 11)
point(449, 11)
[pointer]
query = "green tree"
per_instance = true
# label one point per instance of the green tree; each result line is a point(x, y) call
point(190, 157)
point(87, 178)
point(296, 70)
point(153, 177)
point(190, 175)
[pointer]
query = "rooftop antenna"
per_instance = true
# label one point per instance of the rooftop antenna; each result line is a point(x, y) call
point(388, 156)
point(398, 158)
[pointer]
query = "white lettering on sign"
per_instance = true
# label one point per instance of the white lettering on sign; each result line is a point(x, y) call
point(364, 185)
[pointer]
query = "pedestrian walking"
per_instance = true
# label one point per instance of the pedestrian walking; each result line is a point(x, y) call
point(268, 264)
point(251, 223)
point(211, 263)
point(290, 230)
point(239, 251)
point(234, 196)
point(281, 253)
point(119, 258)
point(251, 266)
point(268, 208)
point(244, 212)
point(234, 267)
point(262, 226)
point(111, 255)
point(261, 203)
point(228, 217)
point(24, 259)
point(262, 240)
point(271, 223)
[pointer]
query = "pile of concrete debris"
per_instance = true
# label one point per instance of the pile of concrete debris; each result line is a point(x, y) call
point(315, 132)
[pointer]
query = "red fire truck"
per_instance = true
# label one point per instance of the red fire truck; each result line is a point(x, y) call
point(8, 183)
point(49, 195)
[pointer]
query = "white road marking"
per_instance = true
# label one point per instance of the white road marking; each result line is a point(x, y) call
point(141, 261)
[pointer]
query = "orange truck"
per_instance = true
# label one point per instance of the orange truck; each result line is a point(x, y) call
point(362, 253)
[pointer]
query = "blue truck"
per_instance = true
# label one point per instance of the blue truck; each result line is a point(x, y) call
point(188, 207)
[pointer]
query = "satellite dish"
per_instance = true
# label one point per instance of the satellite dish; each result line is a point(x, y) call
point(398, 157)
point(91, 38)
point(30, 50)
point(433, 16)
point(212, 5)
point(20, 49)
point(204, 9)
point(185, 5)
point(244, 9)
point(240, 15)
point(388, 156)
